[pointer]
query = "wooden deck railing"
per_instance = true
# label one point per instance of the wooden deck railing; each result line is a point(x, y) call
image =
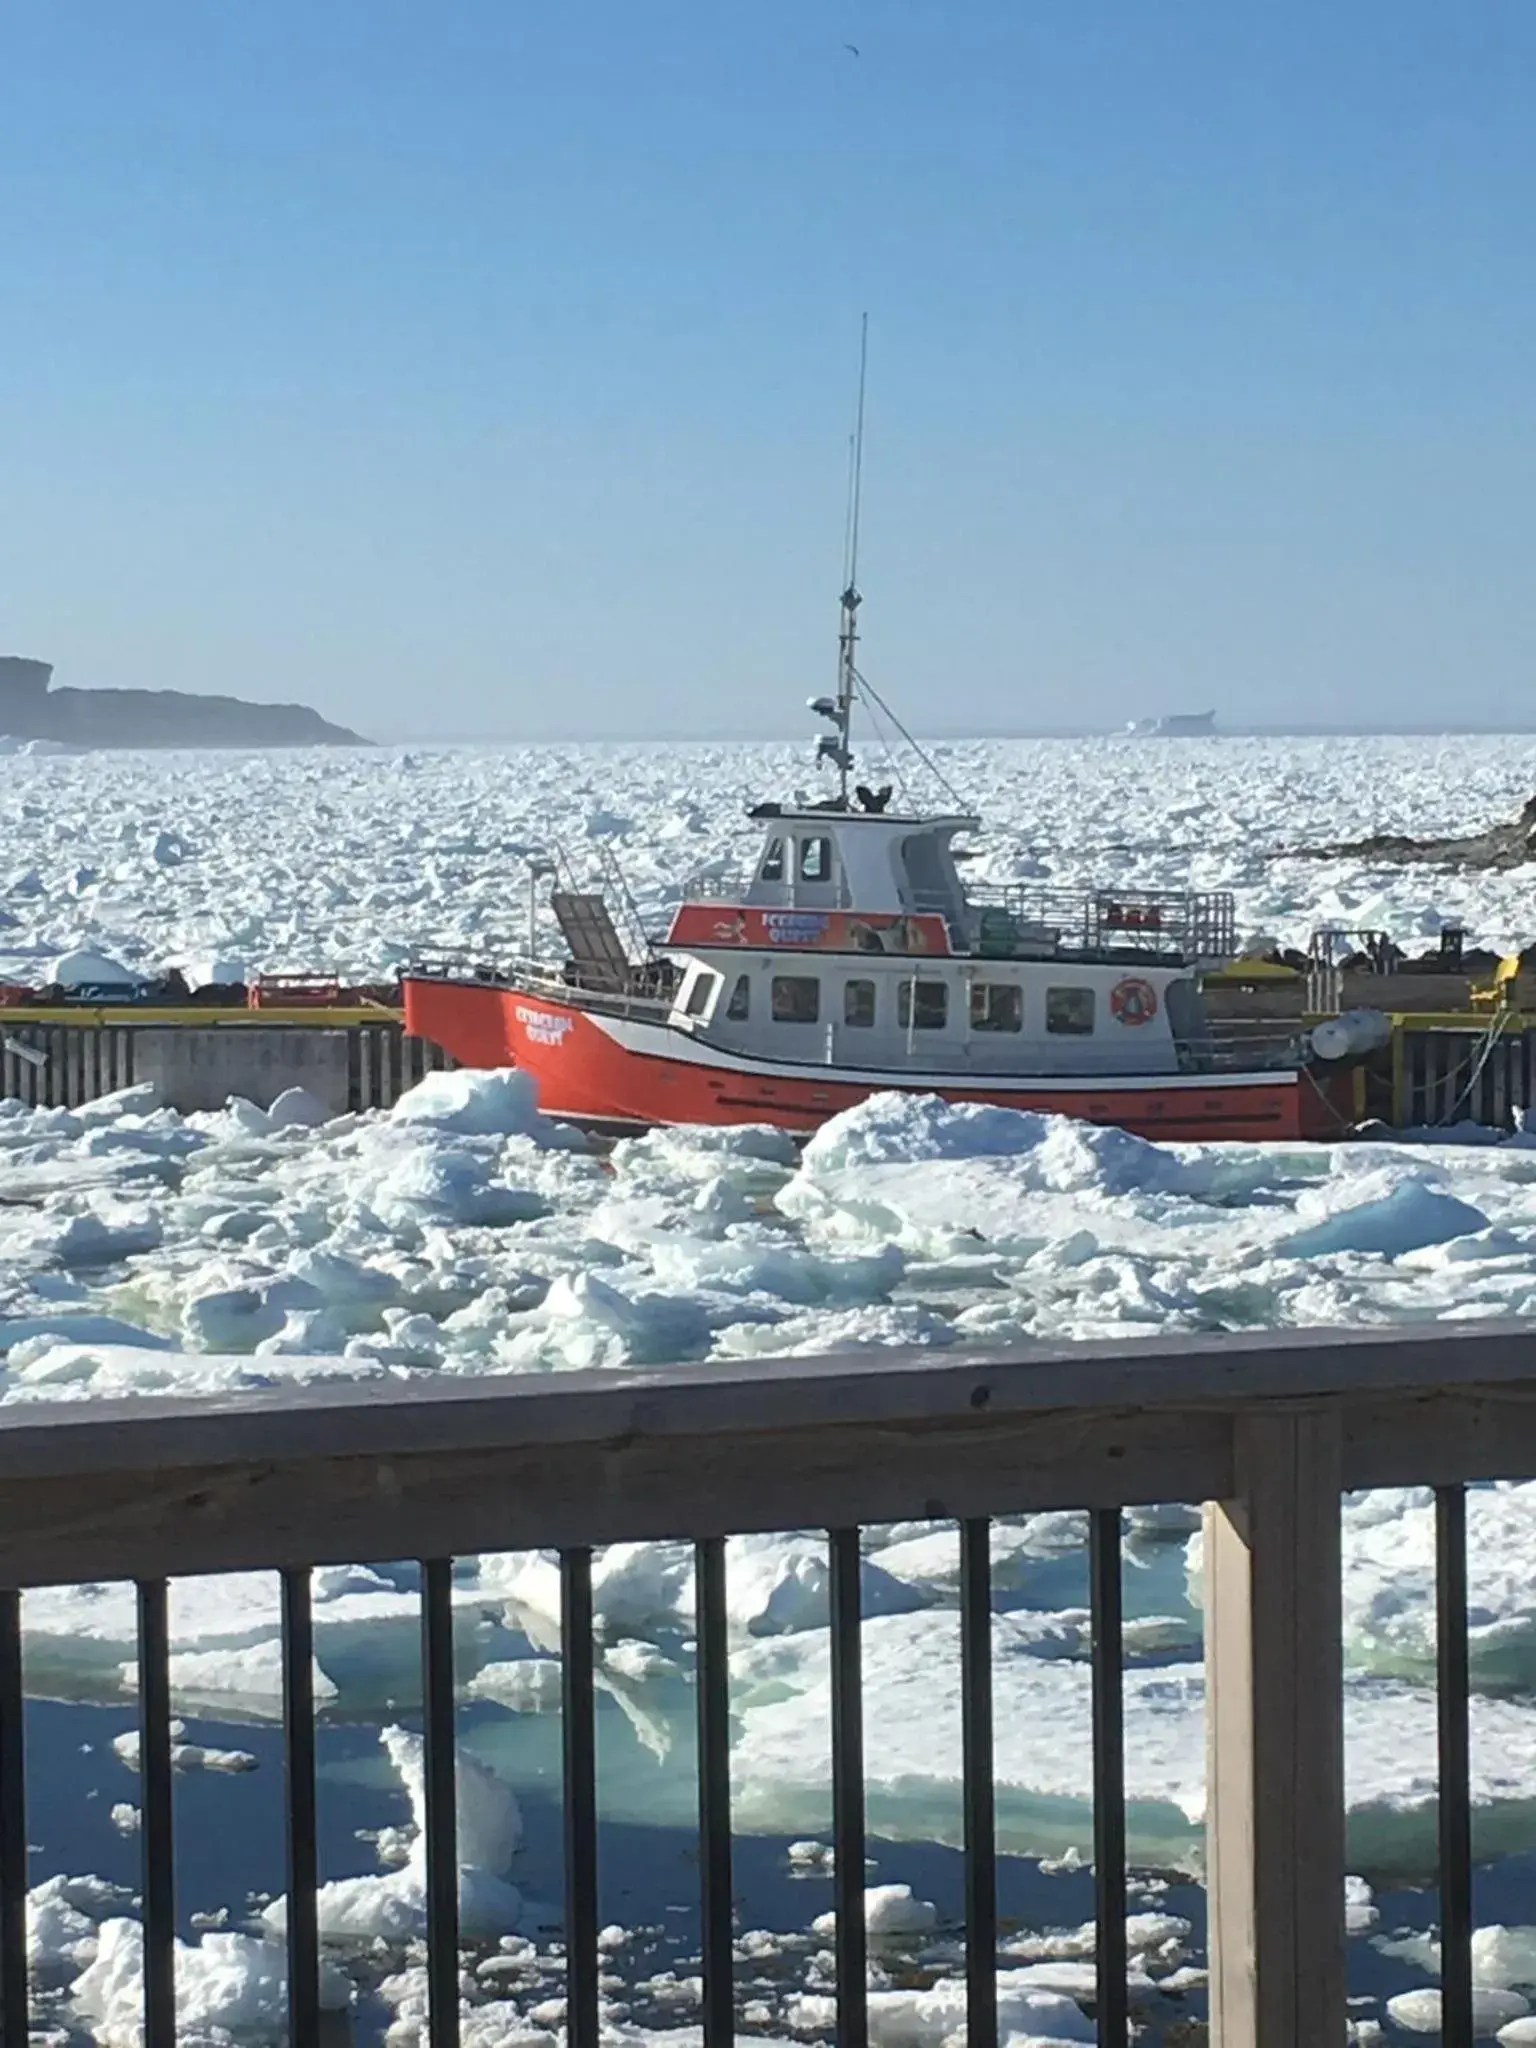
point(1268, 1430)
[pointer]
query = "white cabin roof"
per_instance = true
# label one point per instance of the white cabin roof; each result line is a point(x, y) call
point(830, 818)
point(871, 861)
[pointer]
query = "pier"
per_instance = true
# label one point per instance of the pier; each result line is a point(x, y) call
point(1267, 1430)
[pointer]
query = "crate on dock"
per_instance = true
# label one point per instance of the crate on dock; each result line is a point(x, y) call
point(294, 992)
point(1234, 1001)
point(1403, 993)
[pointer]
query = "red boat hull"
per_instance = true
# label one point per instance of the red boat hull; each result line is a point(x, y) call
point(603, 1068)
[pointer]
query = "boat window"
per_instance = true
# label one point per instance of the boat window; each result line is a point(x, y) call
point(997, 1006)
point(816, 860)
point(931, 1012)
point(927, 874)
point(1069, 1011)
point(772, 869)
point(796, 999)
point(740, 1006)
point(859, 1003)
point(704, 986)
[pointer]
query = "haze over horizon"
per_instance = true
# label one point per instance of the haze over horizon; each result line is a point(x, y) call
point(489, 373)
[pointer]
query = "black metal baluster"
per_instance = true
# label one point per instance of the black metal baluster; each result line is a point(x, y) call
point(579, 1734)
point(442, 1818)
point(157, 1824)
point(13, 1830)
point(716, 1903)
point(1455, 1803)
point(848, 1791)
point(299, 1770)
point(977, 1775)
point(1108, 1776)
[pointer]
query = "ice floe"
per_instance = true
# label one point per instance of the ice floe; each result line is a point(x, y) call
point(226, 1984)
point(394, 1906)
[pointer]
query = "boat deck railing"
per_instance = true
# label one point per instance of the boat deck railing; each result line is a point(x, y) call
point(1160, 924)
point(1238, 1047)
point(648, 994)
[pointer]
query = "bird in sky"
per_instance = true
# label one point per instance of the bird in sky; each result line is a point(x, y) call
point(853, 48)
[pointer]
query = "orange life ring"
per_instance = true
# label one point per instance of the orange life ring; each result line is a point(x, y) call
point(1133, 1001)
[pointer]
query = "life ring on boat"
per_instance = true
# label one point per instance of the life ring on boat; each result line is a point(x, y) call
point(1133, 1001)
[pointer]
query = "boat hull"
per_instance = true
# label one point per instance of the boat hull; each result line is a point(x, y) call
point(614, 1069)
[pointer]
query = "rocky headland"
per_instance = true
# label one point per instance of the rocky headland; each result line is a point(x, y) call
point(31, 710)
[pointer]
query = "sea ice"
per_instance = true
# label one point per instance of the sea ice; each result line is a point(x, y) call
point(1026, 2014)
point(268, 872)
point(1418, 2012)
point(297, 1109)
point(185, 1756)
point(781, 1767)
point(1504, 1957)
point(891, 1912)
point(394, 1906)
point(63, 1915)
point(250, 1674)
point(233, 1983)
point(1389, 1582)
point(83, 969)
point(1408, 1214)
point(500, 1103)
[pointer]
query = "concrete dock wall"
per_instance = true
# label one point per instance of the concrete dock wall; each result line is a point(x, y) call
point(202, 1069)
point(198, 1066)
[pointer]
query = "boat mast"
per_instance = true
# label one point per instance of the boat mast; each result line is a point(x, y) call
point(840, 751)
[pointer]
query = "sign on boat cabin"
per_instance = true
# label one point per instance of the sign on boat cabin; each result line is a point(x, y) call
point(834, 931)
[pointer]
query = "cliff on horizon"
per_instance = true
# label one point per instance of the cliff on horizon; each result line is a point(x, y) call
point(31, 710)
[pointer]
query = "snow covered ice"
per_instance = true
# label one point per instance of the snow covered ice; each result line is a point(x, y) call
point(350, 862)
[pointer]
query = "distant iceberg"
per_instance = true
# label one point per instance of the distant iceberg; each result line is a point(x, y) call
point(1175, 725)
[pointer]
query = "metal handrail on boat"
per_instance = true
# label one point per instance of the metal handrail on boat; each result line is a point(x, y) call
point(707, 887)
point(1233, 1048)
point(1187, 925)
point(543, 977)
point(1024, 920)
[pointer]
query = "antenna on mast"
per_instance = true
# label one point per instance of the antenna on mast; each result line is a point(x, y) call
point(835, 746)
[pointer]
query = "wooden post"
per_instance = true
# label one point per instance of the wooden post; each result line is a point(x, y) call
point(1275, 1738)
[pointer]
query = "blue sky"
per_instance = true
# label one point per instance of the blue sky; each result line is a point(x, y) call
point(485, 369)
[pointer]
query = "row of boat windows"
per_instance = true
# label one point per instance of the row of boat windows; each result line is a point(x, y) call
point(920, 1006)
point(814, 858)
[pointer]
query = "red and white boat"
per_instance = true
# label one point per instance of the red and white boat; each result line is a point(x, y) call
point(854, 959)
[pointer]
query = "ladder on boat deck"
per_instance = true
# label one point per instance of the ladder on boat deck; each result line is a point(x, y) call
point(596, 949)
